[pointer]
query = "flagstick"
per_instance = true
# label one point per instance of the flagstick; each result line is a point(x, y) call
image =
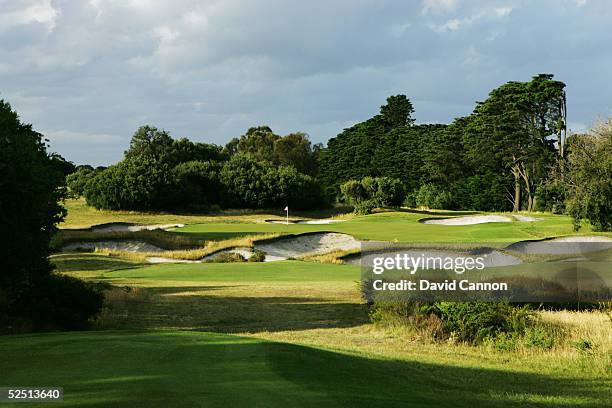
point(287, 208)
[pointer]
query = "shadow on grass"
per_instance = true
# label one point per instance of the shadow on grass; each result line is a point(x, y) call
point(195, 308)
point(160, 369)
point(71, 262)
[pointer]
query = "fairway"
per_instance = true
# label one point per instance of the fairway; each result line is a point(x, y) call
point(399, 226)
point(187, 369)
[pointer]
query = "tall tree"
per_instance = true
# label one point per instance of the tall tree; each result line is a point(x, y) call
point(32, 184)
point(398, 111)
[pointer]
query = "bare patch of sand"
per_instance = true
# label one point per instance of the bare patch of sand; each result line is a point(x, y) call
point(306, 245)
point(471, 220)
point(564, 245)
point(123, 227)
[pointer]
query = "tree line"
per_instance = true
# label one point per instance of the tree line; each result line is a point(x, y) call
point(512, 153)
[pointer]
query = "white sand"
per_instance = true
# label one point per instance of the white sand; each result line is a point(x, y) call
point(125, 245)
point(471, 220)
point(122, 227)
point(308, 244)
point(320, 222)
point(564, 245)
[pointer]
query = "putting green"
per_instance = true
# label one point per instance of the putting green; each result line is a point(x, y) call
point(398, 226)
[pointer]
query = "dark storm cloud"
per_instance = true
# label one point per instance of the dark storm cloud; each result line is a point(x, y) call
point(87, 74)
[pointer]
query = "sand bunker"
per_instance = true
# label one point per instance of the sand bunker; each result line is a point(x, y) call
point(307, 244)
point(294, 246)
point(124, 226)
point(475, 219)
point(563, 245)
point(125, 245)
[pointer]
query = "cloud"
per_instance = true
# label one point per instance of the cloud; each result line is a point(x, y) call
point(88, 73)
point(438, 6)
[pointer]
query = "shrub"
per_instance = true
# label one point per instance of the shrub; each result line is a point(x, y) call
point(365, 207)
point(247, 183)
point(538, 337)
point(196, 184)
point(353, 191)
point(67, 303)
point(258, 256)
point(139, 183)
point(228, 257)
point(371, 192)
point(475, 321)
point(78, 180)
point(590, 190)
point(432, 196)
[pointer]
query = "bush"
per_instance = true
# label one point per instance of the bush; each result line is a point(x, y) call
point(78, 180)
point(258, 256)
point(365, 207)
point(139, 183)
point(590, 190)
point(371, 192)
point(67, 303)
point(196, 185)
point(247, 183)
point(432, 196)
point(471, 322)
point(228, 257)
point(474, 321)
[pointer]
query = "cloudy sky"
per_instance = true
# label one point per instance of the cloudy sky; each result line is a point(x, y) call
point(88, 73)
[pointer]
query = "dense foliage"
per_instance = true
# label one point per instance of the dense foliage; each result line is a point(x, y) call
point(510, 154)
point(590, 178)
point(372, 192)
point(159, 172)
point(494, 159)
point(32, 185)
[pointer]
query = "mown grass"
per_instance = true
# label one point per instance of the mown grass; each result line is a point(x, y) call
point(80, 215)
point(186, 369)
point(301, 335)
point(404, 227)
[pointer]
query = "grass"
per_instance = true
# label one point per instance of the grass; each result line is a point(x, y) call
point(80, 215)
point(187, 369)
point(403, 227)
point(292, 333)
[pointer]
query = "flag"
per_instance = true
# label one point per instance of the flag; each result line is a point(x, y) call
point(287, 208)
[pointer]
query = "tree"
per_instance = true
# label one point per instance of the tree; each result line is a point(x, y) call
point(196, 184)
point(295, 150)
point(149, 141)
point(78, 180)
point(135, 183)
point(397, 113)
point(258, 143)
point(31, 188)
point(589, 177)
point(510, 131)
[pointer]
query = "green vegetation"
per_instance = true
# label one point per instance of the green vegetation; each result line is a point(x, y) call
point(160, 369)
point(32, 183)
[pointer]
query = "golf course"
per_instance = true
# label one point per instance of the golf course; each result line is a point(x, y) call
point(210, 226)
point(273, 333)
